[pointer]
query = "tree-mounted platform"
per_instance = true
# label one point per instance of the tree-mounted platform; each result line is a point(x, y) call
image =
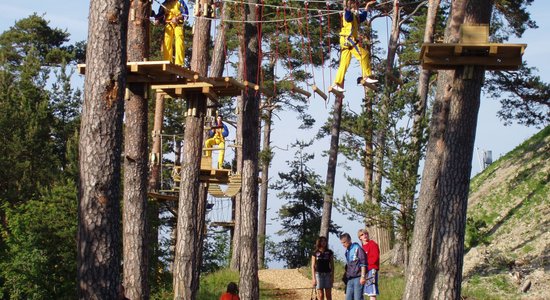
point(154, 72)
point(492, 56)
point(212, 87)
point(473, 49)
point(176, 80)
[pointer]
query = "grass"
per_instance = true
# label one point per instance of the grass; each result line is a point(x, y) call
point(214, 284)
point(489, 288)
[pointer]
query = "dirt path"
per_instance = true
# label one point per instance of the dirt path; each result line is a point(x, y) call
point(292, 284)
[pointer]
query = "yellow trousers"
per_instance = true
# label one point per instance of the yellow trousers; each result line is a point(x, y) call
point(360, 54)
point(221, 145)
point(171, 32)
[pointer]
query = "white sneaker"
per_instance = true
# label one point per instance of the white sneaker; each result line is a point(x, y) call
point(370, 80)
point(338, 88)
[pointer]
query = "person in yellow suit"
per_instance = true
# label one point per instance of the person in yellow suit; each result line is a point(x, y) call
point(217, 135)
point(349, 44)
point(172, 13)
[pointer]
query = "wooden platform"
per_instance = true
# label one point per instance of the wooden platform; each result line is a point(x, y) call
point(492, 56)
point(212, 87)
point(176, 80)
point(153, 72)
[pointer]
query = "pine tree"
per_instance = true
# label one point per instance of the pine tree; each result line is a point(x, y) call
point(301, 216)
point(100, 148)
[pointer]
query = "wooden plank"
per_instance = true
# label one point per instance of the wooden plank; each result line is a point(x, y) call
point(492, 56)
point(335, 92)
point(222, 224)
point(369, 85)
point(298, 90)
point(189, 85)
point(319, 92)
point(489, 62)
point(236, 83)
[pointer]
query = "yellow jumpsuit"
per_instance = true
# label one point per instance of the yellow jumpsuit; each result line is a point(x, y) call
point(349, 46)
point(219, 140)
point(173, 31)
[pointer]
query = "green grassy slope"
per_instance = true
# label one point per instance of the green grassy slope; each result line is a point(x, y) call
point(508, 232)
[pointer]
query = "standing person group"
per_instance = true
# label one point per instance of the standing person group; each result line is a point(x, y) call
point(362, 265)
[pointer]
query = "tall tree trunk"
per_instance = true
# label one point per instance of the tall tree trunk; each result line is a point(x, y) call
point(203, 196)
point(249, 282)
point(418, 131)
point(185, 280)
point(369, 153)
point(379, 232)
point(419, 276)
point(235, 263)
point(134, 213)
point(156, 151)
point(264, 187)
point(218, 54)
point(99, 151)
point(457, 166)
point(331, 168)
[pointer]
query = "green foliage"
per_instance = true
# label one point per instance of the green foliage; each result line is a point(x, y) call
point(528, 98)
point(512, 17)
point(214, 284)
point(301, 216)
point(40, 261)
point(65, 104)
point(215, 252)
point(474, 233)
point(490, 287)
point(34, 34)
point(28, 161)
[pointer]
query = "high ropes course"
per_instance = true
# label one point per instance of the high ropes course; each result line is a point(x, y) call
point(169, 79)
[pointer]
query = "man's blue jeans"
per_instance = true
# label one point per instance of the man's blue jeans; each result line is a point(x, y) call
point(354, 289)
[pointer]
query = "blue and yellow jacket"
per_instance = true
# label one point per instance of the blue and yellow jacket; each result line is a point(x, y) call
point(355, 259)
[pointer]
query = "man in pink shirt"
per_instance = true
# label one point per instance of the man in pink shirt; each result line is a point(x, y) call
point(373, 264)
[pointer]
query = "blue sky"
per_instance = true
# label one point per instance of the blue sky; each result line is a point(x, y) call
point(491, 133)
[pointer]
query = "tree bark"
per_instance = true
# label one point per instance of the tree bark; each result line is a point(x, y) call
point(156, 152)
point(235, 263)
point(264, 187)
point(203, 196)
point(185, 279)
point(457, 166)
point(435, 268)
point(99, 151)
point(249, 282)
point(219, 52)
point(134, 218)
point(331, 168)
